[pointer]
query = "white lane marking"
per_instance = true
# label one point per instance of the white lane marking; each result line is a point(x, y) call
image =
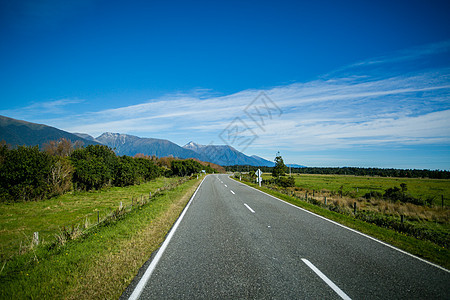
point(140, 286)
point(327, 281)
point(226, 185)
point(351, 229)
point(249, 208)
point(232, 192)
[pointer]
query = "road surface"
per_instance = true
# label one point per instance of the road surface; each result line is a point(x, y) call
point(234, 242)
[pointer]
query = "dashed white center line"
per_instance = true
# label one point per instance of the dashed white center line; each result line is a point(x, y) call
point(226, 185)
point(249, 208)
point(232, 192)
point(327, 281)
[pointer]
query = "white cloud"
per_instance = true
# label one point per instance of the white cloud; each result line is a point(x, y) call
point(339, 112)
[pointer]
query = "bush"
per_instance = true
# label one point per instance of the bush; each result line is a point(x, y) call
point(185, 167)
point(373, 195)
point(25, 174)
point(94, 166)
point(285, 181)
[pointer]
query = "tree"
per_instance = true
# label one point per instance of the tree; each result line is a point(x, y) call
point(94, 166)
point(280, 168)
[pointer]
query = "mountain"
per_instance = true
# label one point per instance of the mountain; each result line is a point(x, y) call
point(124, 144)
point(18, 133)
point(86, 137)
point(263, 162)
point(225, 155)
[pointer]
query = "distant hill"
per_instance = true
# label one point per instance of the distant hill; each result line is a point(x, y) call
point(225, 155)
point(18, 133)
point(125, 144)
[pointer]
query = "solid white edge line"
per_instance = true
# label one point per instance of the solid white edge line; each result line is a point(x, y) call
point(140, 286)
point(353, 230)
point(249, 208)
point(327, 280)
point(232, 192)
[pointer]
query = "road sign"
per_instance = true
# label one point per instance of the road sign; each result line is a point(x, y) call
point(259, 174)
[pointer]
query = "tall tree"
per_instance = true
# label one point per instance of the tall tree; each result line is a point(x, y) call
point(280, 168)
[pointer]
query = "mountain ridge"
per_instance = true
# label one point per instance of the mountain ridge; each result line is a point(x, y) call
point(126, 144)
point(18, 132)
point(226, 155)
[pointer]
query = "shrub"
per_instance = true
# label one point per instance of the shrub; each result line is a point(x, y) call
point(185, 167)
point(285, 181)
point(94, 166)
point(373, 195)
point(25, 174)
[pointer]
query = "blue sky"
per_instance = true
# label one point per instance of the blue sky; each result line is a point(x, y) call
point(326, 83)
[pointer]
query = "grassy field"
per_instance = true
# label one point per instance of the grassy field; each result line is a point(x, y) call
point(101, 263)
point(18, 221)
point(360, 185)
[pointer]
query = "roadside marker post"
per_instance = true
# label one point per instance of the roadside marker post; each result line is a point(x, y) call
point(259, 173)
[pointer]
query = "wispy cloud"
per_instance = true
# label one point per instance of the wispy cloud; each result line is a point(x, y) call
point(358, 106)
point(43, 110)
point(337, 113)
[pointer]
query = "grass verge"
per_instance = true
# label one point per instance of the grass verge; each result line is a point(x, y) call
point(18, 221)
point(101, 263)
point(424, 249)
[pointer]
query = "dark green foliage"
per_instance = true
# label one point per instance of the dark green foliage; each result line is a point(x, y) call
point(97, 166)
point(280, 168)
point(129, 171)
point(285, 181)
point(185, 167)
point(94, 166)
point(25, 174)
point(373, 195)
point(29, 174)
point(398, 194)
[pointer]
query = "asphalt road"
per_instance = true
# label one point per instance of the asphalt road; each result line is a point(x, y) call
point(234, 242)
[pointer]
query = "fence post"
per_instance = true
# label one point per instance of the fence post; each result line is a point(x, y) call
point(35, 238)
point(306, 196)
point(149, 195)
point(325, 200)
point(120, 206)
point(98, 216)
point(401, 218)
point(354, 208)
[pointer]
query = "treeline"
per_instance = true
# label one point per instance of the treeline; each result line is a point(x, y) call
point(28, 174)
point(410, 173)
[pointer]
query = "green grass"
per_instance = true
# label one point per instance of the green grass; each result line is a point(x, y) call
point(423, 188)
point(420, 248)
point(18, 221)
point(101, 263)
